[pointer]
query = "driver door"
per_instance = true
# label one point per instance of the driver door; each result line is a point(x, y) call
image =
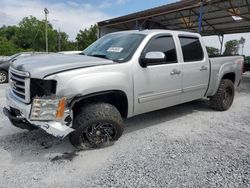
point(159, 85)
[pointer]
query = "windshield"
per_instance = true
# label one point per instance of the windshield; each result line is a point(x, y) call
point(118, 47)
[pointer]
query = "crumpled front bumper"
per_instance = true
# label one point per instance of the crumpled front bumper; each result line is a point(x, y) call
point(57, 129)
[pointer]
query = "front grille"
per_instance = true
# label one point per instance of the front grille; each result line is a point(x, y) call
point(20, 84)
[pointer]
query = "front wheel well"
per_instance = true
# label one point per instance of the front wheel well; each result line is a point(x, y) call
point(115, 98)
point(4, 71)
point(229, 76)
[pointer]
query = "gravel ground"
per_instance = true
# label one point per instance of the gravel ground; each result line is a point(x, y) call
point(189, 145)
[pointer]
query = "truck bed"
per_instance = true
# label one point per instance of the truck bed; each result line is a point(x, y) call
point(221, 66)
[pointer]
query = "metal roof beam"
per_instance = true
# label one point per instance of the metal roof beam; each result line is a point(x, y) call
point(149, 16)
point(212, 12)
point(231, 31)
point(205, 21)
point(211, 19)
point(217, 24)
point(232, 12)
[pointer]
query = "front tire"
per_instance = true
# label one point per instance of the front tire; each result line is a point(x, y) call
point(96, 125)
point(223, 99)
point(3, 77)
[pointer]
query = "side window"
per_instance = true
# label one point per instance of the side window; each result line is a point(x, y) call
point(191, 49)
point(163, 44)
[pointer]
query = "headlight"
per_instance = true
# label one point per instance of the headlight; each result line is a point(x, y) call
point(47, 109)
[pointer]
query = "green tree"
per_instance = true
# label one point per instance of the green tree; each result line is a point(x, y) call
point(242, 42)
point(247, 59)
point(29, 31)
point(31, 34)
point(66, 45)
point(212, 51)
point(86, 37)
point(231, 47)
point(9, 32)
point(7, 47)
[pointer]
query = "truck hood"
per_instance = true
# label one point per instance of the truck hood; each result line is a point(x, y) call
point(40, 66)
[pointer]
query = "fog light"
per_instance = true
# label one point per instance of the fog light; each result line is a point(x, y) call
point(47, 109)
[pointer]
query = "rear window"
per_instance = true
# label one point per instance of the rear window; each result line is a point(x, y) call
point(191, 49)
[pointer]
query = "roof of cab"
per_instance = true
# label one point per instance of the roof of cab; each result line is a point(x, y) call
point(158, 31)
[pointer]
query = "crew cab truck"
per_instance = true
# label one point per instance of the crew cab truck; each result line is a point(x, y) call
point(120, 75)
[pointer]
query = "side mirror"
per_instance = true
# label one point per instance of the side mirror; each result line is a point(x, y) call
point(152, 58)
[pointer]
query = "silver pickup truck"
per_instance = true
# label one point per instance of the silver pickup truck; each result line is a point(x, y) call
point(121, 75)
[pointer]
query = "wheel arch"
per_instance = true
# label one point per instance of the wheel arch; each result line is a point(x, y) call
point(4, 70)
point(116, 98)
point(230, 76)
point(214, 85)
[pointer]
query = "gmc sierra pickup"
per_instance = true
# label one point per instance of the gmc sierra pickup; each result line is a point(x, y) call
point(121, 75)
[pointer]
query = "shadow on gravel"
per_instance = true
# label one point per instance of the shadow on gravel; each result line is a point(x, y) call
point(36, 146)
point(65, 156)
point(152, 118)
point(162, 116)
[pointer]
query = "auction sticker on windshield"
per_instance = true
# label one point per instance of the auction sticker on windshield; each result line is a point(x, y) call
point(115, 49)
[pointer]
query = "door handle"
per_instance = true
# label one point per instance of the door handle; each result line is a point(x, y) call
point(175, 71)
point(203, 68)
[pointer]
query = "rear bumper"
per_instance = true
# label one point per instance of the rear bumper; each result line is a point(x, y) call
point(57, 129)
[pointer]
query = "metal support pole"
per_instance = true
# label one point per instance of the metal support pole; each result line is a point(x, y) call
point(59, 40)
point(46, 28)
point(136, 24)
point(201, 17)
point(221, 38)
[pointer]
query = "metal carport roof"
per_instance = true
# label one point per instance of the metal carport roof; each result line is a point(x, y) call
point(208, 17)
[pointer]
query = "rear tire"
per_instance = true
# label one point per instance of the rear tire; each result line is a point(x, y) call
point(3, 77)
point(223, 99)
point(96, 125)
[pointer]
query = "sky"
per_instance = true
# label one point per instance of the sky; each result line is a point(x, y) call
point(73, 15)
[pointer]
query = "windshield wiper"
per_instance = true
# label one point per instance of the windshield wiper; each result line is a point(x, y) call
point(99, 55)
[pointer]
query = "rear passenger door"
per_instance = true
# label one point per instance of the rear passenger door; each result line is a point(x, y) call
point(159, 84)
point(195, 68)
